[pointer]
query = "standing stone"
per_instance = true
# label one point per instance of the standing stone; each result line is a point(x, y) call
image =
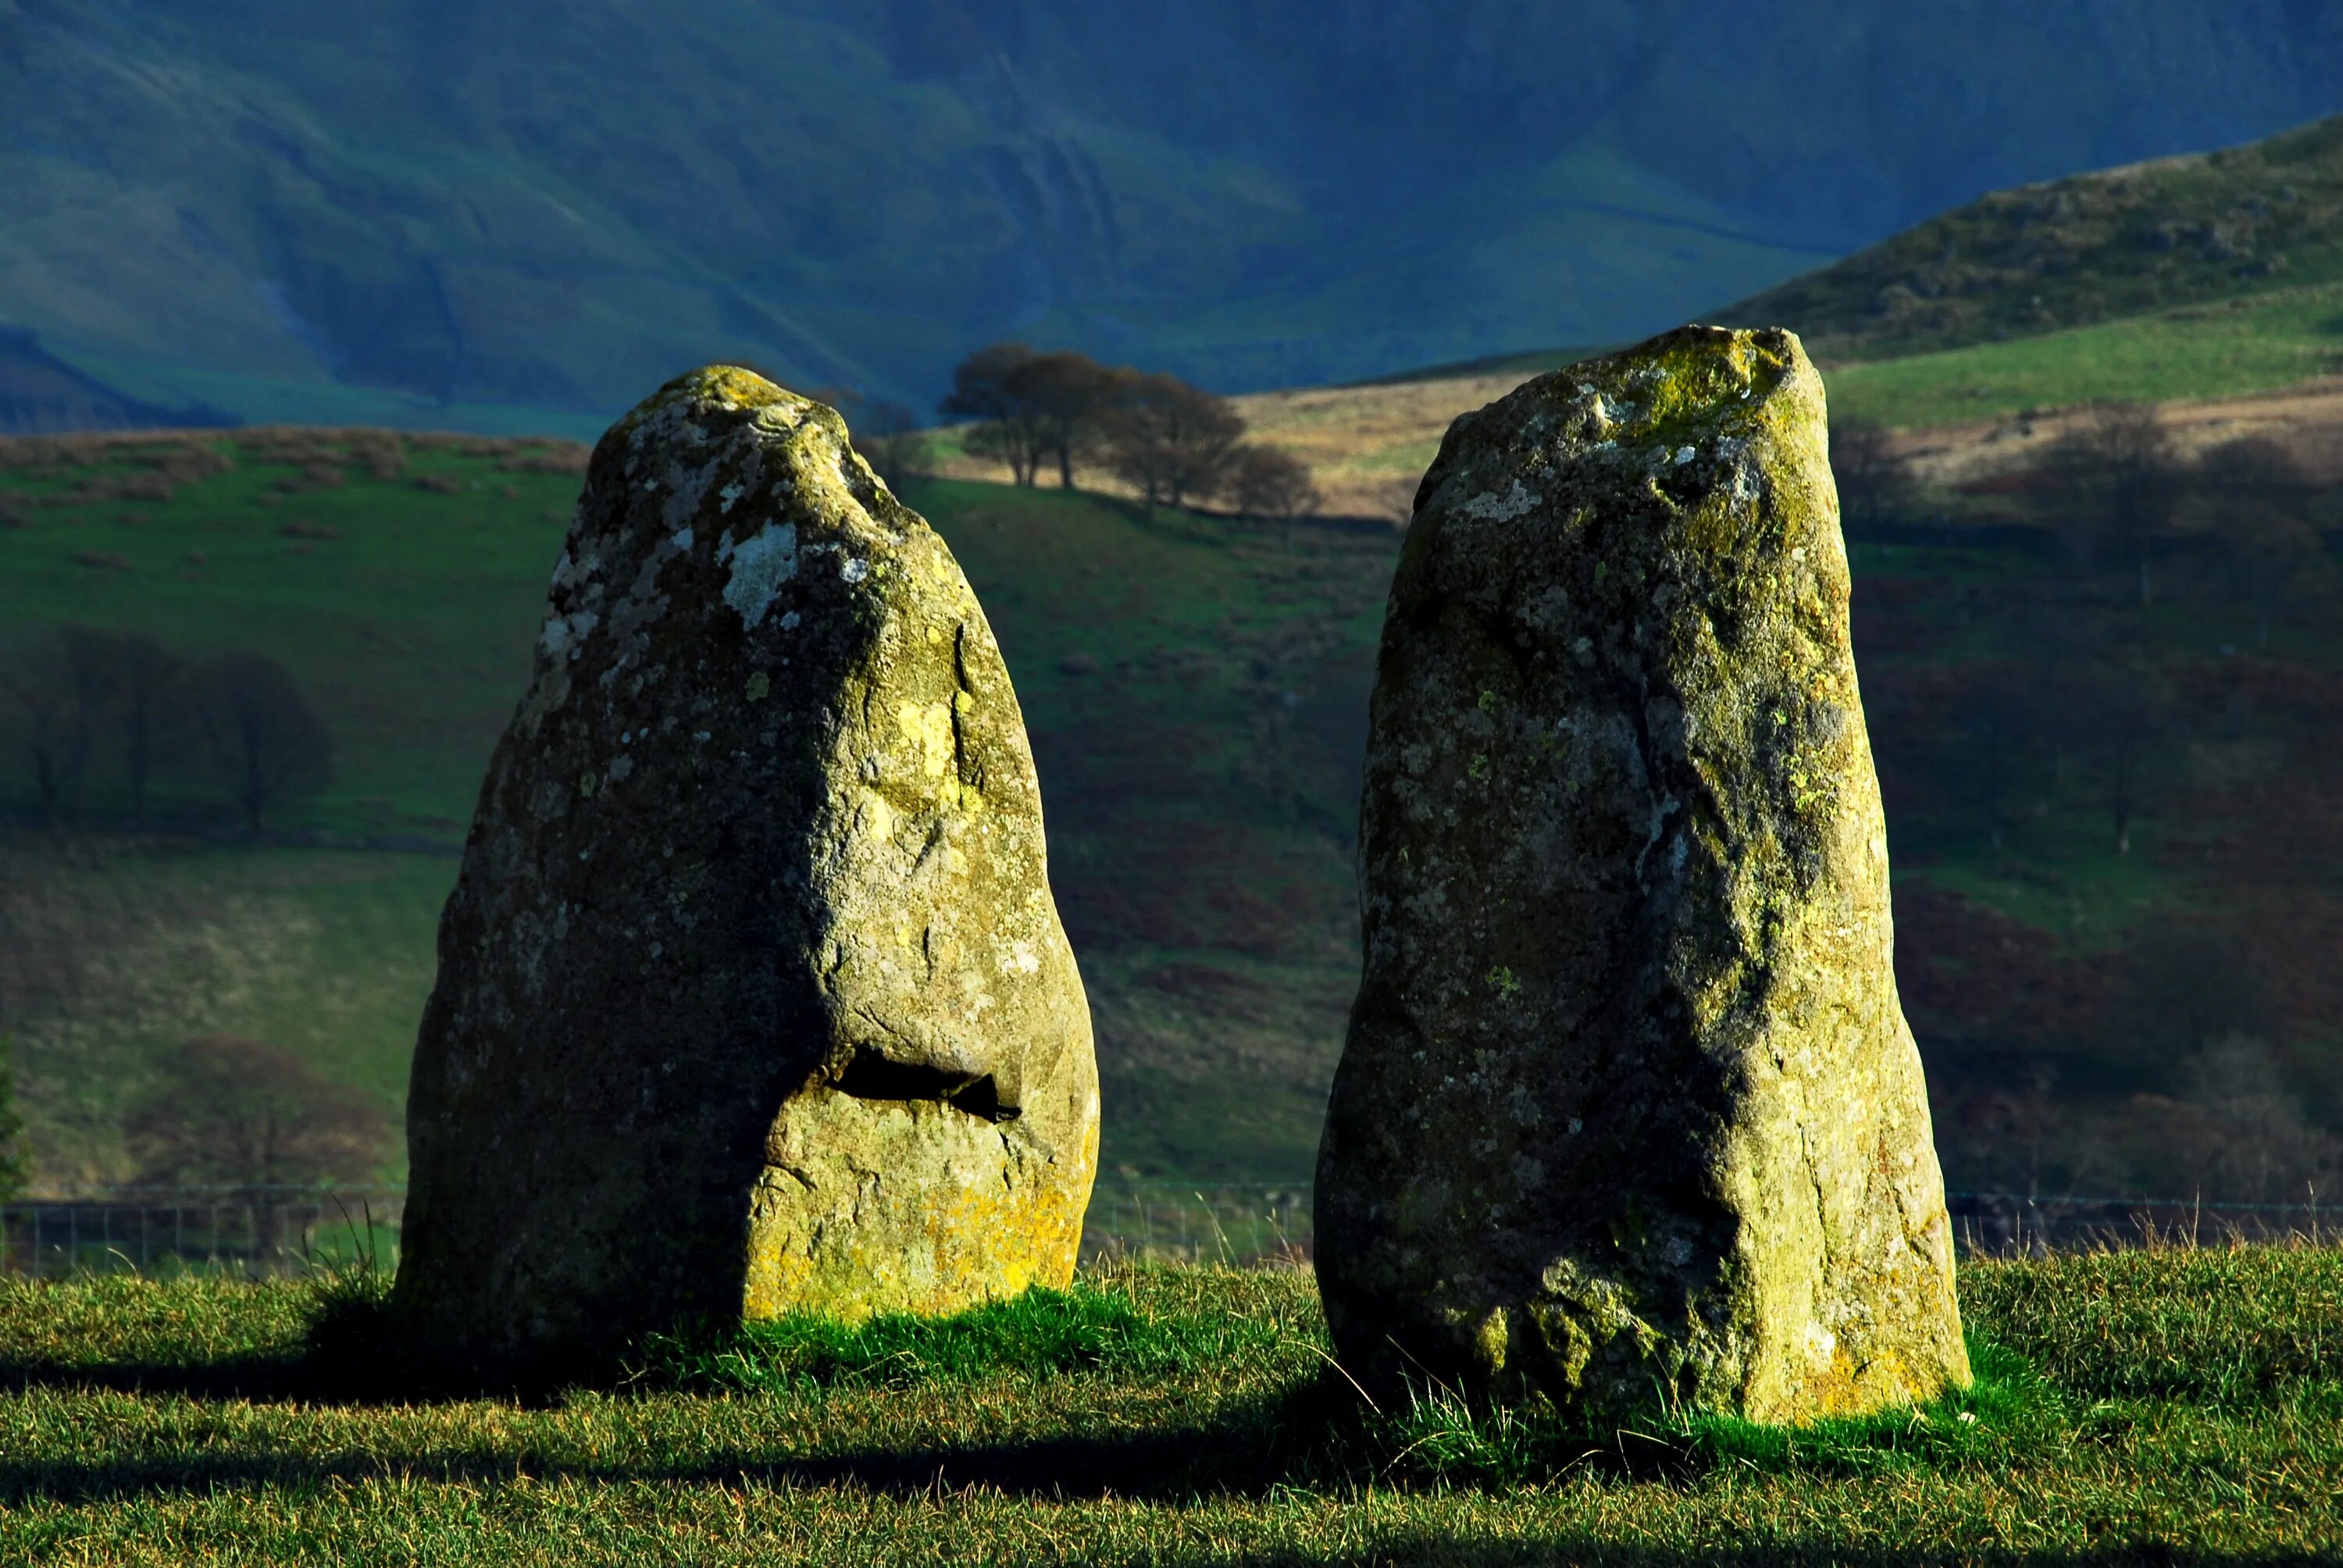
point(752, 997)
point(1629, 1113)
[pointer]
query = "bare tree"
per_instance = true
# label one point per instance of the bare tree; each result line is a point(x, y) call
point(229, 1112)
point(268, 743)
point(1171, 441)
point(36, 715)
point(92, 676)
point(2243, 1132)
point(1271, 485)
point(1999, 710)
point(888, 435)
point(2120, 484)
point(243, 1112)
point(2124, 733)
point(1875, 487)
point(2257, 500)
point(149, 686)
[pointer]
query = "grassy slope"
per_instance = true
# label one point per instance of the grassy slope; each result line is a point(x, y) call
point(1196, 702)
point(2134, 241)
point(2172, 1407)
point(1196, 695)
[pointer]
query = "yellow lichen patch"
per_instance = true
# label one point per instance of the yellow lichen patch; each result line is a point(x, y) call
point(927, 729)
point(907, 1206)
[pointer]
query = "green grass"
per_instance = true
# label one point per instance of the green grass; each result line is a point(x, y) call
point(1168, 1415)
point(1198, 816)
point(1196, 694)
point(2257, 344)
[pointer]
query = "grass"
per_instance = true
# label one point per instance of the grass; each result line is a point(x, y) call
point(2257, 344)
point(1196, 693)
point(1167, 1415)
point(1194, 690)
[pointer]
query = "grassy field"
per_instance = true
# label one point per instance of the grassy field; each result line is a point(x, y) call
point(1196, 693)
point(2168, 1407)
point(2256, 344)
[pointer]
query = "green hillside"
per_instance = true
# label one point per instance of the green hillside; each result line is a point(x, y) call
point(1196, 696)
point(2097, 803)
point(2145, 240)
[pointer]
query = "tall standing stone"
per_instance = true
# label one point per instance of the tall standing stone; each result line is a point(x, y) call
point(752, 996)
point(1629, 1113)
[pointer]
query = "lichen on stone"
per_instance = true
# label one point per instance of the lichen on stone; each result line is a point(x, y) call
point(752, 995)
point(1626, 1077)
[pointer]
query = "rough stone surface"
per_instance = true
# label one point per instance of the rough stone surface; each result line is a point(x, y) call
point(1628, 1112)
point(752, 996)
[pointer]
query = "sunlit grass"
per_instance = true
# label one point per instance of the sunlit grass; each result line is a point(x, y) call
point(2185, 1403)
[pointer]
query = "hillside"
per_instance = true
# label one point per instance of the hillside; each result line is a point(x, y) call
point(1195, 690)
point(512, 216)
point(1196, 699)
point(2148, 239)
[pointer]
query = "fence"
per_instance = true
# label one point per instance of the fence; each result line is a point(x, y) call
point(1997, 1224)
point(251, 1230)
point(276, 1230)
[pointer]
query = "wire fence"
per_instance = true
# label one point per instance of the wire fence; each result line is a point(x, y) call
point(258, 1231)
point(2002, 1224)
point(249, 1231)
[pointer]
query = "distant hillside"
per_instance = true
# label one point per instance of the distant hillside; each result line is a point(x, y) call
point(515, 215)
point(38, 392)
point(2142, 239)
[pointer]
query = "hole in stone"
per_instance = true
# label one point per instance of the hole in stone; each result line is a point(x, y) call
point(871, 1076)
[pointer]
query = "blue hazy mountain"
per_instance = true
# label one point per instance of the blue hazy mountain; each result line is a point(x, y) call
point(501, 212)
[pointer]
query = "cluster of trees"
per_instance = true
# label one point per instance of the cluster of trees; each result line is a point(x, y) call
point(1173, 443)
point(2123, 498)
point(83, 708)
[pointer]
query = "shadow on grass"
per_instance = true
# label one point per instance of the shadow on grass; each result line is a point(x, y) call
point(1280, 1439)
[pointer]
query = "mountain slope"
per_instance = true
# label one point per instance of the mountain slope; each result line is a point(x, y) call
point(515, 214)
point(2147, 237)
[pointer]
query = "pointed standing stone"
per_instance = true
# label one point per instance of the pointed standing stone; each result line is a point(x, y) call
point(1629, 1112)
point(752, 996)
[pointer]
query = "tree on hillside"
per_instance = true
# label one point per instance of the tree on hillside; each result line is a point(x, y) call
point(1069, 395)
point(1875, 488)
point(231, 1111)
point(1271, 485)
point(2273, 559)
point(2257, 502)
point(36, 715)
point(91, 678)
point(2256, 467)
point(2119, 483)
point(1171, 441)
point(267, 743)
point(2124, 732)
point(149, 714)
point(986, 387)
point(2241, 1132)
point(1034, 408)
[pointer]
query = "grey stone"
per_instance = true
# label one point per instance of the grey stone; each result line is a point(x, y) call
point(1628, 1114)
